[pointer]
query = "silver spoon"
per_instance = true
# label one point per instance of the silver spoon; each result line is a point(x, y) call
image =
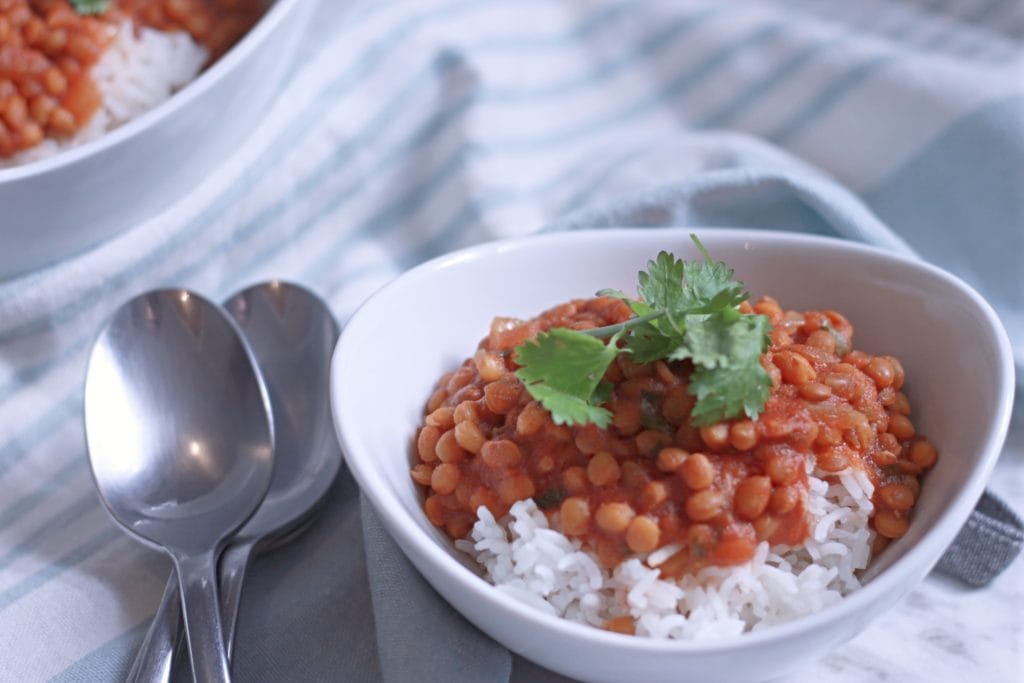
point(180, 444)
point(292, 334)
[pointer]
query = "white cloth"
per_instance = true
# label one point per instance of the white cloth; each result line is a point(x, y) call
point(410, 128)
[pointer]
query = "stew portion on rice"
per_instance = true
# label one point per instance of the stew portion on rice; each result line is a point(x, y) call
point(48, 49)
point(653, 483)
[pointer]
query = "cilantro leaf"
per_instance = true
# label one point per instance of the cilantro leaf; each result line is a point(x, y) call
point(660, 287)
point(568, 409)
point(709, 287)
point(708, 339)
point(709, 284)
point(648, 343)
point(687, 311)
point(602, 393)
point(724, 337)
point(562, 369)
point(90, 6)
point(728, 392)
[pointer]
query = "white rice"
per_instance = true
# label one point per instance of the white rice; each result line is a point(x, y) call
point(141, 68)
point(525, 558)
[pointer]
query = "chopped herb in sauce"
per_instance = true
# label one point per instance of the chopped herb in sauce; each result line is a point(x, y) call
point(90, 6)
point(842, 344)
point(549, 499)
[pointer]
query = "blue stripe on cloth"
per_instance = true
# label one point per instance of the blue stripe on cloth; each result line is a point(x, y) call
point(602, 71)
point(997, 47)
point(679, 85)
point(54, 484)
point(57, 522)
point(954, 29)
point(391, 216)
point(982, 13)
point(829, 98)
point(748, 96)
point(593, 23)
point(32, 432)
point(61, 564)
point(472, 211)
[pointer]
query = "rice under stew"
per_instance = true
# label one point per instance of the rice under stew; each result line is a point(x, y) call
point(68, 75)
point(653, 526)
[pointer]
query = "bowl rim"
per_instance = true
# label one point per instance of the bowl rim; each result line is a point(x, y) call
point(198, 86)
point(894, 580)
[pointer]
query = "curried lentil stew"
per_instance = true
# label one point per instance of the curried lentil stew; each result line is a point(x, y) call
point(656, 484)
point(49, 48)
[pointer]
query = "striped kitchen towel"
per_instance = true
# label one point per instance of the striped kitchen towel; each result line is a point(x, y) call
point(413, 127)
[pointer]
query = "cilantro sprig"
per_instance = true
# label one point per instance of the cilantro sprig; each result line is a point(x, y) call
point(687, 310)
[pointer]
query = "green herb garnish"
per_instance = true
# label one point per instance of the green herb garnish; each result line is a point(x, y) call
point(563, 369)
point(842, 346)
point(90, 6)
point(687, 311)
point(549, 499)
point(650, 412)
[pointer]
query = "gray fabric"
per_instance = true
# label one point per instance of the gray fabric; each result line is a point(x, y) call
point(418, 635)
point(986, 545)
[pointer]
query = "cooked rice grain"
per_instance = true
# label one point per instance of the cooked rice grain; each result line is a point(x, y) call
point(541, 567)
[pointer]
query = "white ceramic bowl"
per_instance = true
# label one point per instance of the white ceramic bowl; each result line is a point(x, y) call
point(59, 206)
point(959, 379)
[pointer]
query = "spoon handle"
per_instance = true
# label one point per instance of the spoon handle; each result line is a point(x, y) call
point(153, 662)
point(201, 612)
point(233, 564)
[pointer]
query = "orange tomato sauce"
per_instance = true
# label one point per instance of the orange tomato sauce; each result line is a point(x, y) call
point(653, 479)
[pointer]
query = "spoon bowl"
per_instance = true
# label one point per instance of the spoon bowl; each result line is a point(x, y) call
point(180, 443)
point(292, 333)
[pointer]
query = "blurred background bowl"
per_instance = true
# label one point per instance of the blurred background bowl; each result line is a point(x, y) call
point(62, 205)
point(959, 379)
